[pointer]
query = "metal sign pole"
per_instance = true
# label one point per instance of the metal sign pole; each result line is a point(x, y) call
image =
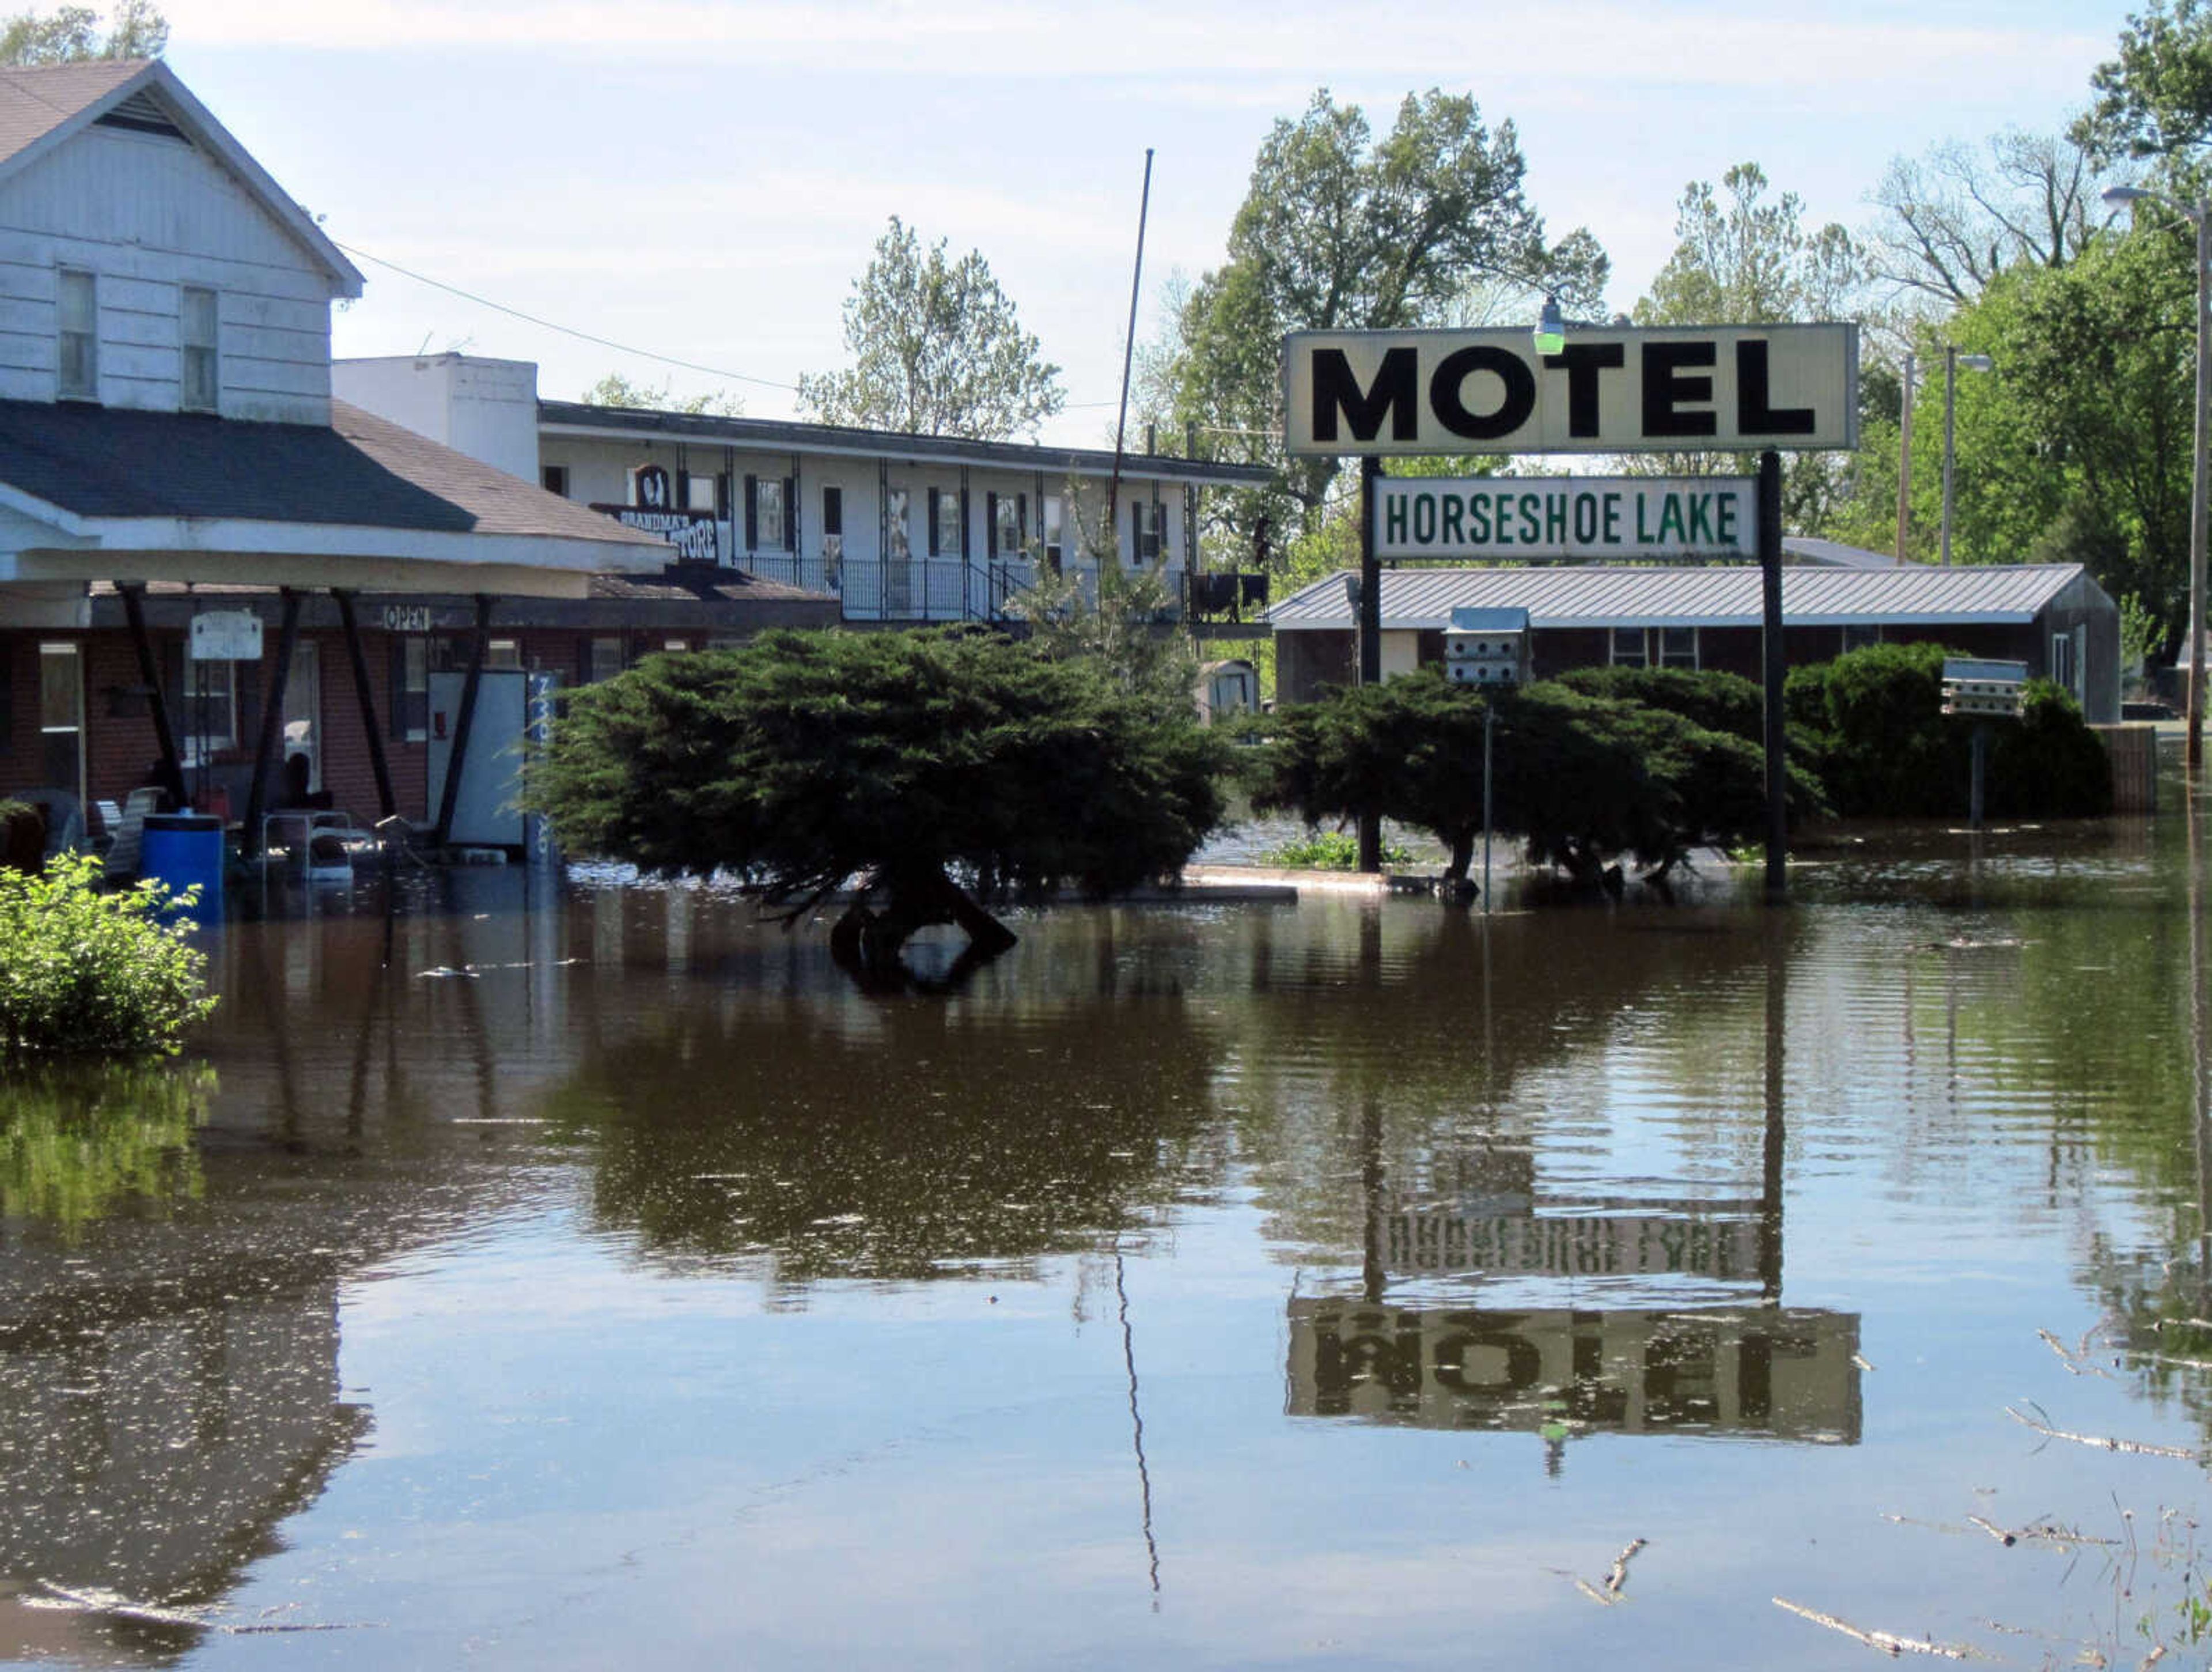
point(1776, 668)
point(1489, 716)
point(1371, 634)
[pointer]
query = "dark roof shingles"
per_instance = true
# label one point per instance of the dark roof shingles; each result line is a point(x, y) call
point(359, 472)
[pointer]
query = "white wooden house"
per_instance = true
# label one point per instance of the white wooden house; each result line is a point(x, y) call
point(166, 427)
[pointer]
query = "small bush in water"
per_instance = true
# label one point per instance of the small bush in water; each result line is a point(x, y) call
point(1330, 850)
point(88, 974)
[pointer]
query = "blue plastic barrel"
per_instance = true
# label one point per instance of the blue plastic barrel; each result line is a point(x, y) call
point(181, 849)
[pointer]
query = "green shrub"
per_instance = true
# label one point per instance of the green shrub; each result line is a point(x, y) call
point(2047, 764)
point(1885, 748)
point(88, 974)
point(1330, 850)
point(1716, 701)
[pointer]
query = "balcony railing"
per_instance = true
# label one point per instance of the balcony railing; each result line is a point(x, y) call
point(913, 589)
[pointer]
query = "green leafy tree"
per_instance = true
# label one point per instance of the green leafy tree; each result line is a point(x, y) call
point(916, 762)
point(937, 349)
point(1340, 229)
point(70, 34)
point(616, 390)
point(2154, 97)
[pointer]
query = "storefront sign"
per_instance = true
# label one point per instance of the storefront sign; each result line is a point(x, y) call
point(1581, 517)
point(1704, 388)
point(695, 534)
point(224, 636)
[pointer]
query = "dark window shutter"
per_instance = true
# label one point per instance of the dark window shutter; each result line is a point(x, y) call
point(1136, 531)
point(991, 524)
point(1021, 520)
point(934, 496)
point(790, 513)
point(833, 511)
point(753, 512)
point(722, 495)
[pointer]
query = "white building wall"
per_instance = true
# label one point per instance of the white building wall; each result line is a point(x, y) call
point(487, 409)
point(147, 214)
point(600, 469)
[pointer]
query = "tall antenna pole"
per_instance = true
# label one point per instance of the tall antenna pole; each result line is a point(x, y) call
point(1128, 353)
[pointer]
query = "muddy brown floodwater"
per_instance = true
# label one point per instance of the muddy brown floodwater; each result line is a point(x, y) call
point(545, 1273)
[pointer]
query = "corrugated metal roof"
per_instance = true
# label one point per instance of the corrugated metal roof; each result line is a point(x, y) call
point(1711, 596)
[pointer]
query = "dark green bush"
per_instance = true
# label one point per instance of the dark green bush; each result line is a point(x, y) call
point(1718, 702)
point(2047, 764)
point(1884, 748)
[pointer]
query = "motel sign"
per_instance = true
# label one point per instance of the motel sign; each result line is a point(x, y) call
point(1704, 388)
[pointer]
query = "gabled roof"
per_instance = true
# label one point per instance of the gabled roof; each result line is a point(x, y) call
point(44, 106)
point(564, 417)
point(1572, 595)
point(101, 462)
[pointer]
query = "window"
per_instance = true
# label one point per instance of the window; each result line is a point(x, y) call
point(555, 478)
point(945, 531)
point(503, 653)
point(1629, 649)
point(898, 546)
point(197, 331)
point(61, 713)
point(1859, 635)
point(833, 511)
point(410, 689)
point(1053, 525)
point(2062, 661)
point(1678, 647)
point(603, 659)
point(1009, 524)
point(210, 710)
point(703, 493)
point(80, 337)
point(1143, 532)
point(676, 644)
point(766, 525)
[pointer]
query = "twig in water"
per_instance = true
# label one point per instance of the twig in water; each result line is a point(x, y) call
point(1619, 1577)
point(2135, 1448)
point(1887, 1642)
point(2002, 1537)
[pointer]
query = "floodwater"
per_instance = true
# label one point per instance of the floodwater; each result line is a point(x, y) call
point(545, 1277)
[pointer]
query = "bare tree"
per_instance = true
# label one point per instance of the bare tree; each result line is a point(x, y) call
point(1953, 219)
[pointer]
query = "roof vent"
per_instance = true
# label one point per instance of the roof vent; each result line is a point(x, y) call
point(141, 114)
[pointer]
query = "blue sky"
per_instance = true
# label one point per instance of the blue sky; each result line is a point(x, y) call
point(704, 179)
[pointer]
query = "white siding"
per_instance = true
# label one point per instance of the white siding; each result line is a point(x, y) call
point(148, 215)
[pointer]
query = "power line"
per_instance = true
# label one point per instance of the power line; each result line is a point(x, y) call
point(567, 331)
point(608, 341)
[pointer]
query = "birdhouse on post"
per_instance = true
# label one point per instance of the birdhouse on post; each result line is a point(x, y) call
point(1487, 647)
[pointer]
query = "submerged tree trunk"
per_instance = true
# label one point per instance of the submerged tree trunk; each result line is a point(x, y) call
point(868, 943)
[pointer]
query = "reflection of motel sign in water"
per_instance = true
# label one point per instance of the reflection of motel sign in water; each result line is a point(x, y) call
point(1723, 1250)
point(1789, 1373)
